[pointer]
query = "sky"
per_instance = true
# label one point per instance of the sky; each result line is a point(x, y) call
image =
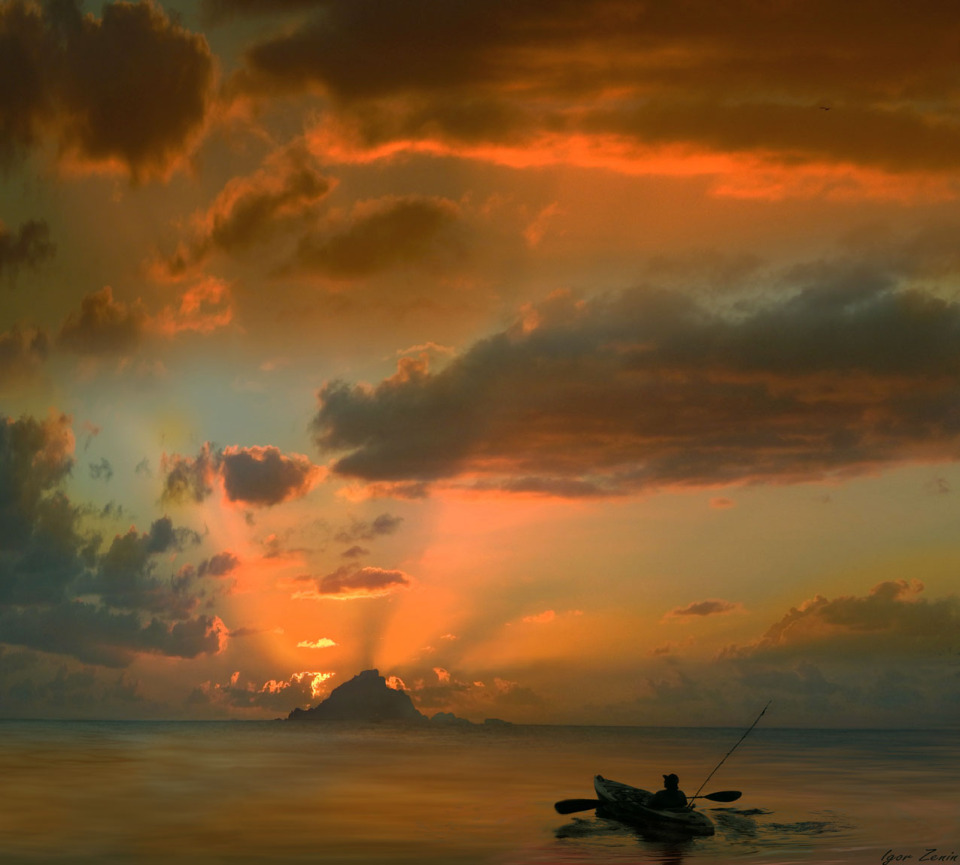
point(571, 362)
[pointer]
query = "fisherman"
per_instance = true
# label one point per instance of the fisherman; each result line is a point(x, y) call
point(671, 798)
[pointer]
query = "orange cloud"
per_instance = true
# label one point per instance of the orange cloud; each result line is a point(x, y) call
point(105, 326)
point(757, 175)
point(322, 643)
point(299, 690)
point(350, 583)
point(284, 194)
point(709, 97)
point(203, 308)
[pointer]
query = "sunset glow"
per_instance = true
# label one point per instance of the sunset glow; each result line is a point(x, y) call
point(585, 363)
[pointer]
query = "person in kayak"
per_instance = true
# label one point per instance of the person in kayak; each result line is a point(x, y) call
point(671, 798)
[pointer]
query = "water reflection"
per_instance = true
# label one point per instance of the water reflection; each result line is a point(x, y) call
point(668, 851)
point(739, 831)
point(274, 793)
point(588, 840)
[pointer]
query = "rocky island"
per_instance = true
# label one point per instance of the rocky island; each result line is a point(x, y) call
point(368, 698)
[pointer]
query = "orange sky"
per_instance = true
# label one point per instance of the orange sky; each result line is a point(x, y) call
point(587, 362)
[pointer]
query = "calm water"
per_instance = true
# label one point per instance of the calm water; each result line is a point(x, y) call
point(89, 792)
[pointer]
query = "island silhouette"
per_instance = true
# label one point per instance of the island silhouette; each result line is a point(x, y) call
point(368, 698)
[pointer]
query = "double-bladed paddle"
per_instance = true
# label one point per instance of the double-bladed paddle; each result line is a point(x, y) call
point(571, 806)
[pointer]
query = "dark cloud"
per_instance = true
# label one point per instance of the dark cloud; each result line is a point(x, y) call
point(27, 247)
point(111, 510)
point(829, 690)
point(284, 195)
point(97, 635)
point(219, 565)
point(59, 593)
point(126, 577)
point(284, 204)
point(189, 479)
point(25, 48)
point(737, 78)
point(844, 373)
point(355, 552)
point(260, 476)
point(22, 353)
point(711, 607)
point(382, 234)
point(101, 470)
point(805, 680)
point(40, 540)
point(894, 618)
point(884, 658)
point(263, 476)
point(361, 530)
point(103, 326)
point(164, 537)
point(365, 49)
point(131, 88)
point(33, 687)
point(349, 582)
point(894, 140)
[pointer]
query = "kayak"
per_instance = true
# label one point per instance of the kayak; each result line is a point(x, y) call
point(627, 804)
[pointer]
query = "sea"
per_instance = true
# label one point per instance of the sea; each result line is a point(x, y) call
point(281, 792)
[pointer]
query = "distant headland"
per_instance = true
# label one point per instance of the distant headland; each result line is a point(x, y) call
point(368, 698)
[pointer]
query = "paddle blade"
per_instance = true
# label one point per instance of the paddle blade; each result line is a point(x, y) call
point(571, 806)
point(723, 796)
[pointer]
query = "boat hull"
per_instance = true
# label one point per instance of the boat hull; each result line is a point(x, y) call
point(627, 804)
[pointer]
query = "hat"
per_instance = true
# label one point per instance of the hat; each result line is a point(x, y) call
point(671, 781)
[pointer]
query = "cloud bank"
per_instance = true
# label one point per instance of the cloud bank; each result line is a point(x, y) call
point(278, 695)
point(893, 619)
point(683, 83)
point(60, 593)
point(644, 390)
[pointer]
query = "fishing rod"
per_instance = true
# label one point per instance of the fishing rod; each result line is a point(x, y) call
point(734, 748)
